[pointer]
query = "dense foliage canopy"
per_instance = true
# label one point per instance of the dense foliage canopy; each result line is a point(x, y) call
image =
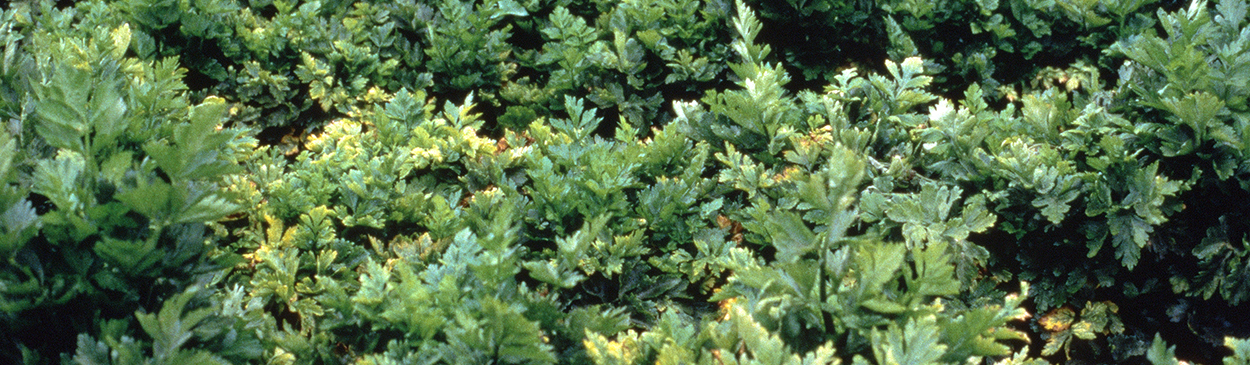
point(621, 182)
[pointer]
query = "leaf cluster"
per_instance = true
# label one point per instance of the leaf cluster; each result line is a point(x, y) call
point(505, 181)
point(111, 174)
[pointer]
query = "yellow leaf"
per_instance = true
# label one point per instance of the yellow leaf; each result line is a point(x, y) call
point(1057, 320)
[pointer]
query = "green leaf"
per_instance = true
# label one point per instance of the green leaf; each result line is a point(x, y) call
point(906, 90)
point(197, 357)
point(902, 44)
point(980, 331)
point(503, 332)
point(1084, 330)
point(596, 319)
point(879, 263)
point(62, 119)
point(1057, 341)
point(1161, 354)
point(748, 27)
point(131, 256)
point(1130, 234)
point(156, 199)
point(206, 208)
point(509, 7)
point(196, 151)
point(914, 344)
point(8, 150)
point(882, 305)
point(1240, 347)
point(764, 347)
point(976, 217)
point(171, 328)
point(1055, 207)
point(373, 283)
point(786, 231)
point(115, 168)
point(624, 351)
point(108, 110)
point(58, 179)
point(581, 122)
point(934, 272)
point(20, 223)
point(549, 272)
point(91, 352)
point(1197, 111)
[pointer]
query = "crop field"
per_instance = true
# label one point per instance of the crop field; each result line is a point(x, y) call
point(625, 182)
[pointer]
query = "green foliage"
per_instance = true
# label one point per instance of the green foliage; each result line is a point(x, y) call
point(279, 59)
point(1161, 353)
point(1063, 325)
point(108, 200)
point(970, 41)
point(1200, 114)
point(225, 339)
point(672, 182)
